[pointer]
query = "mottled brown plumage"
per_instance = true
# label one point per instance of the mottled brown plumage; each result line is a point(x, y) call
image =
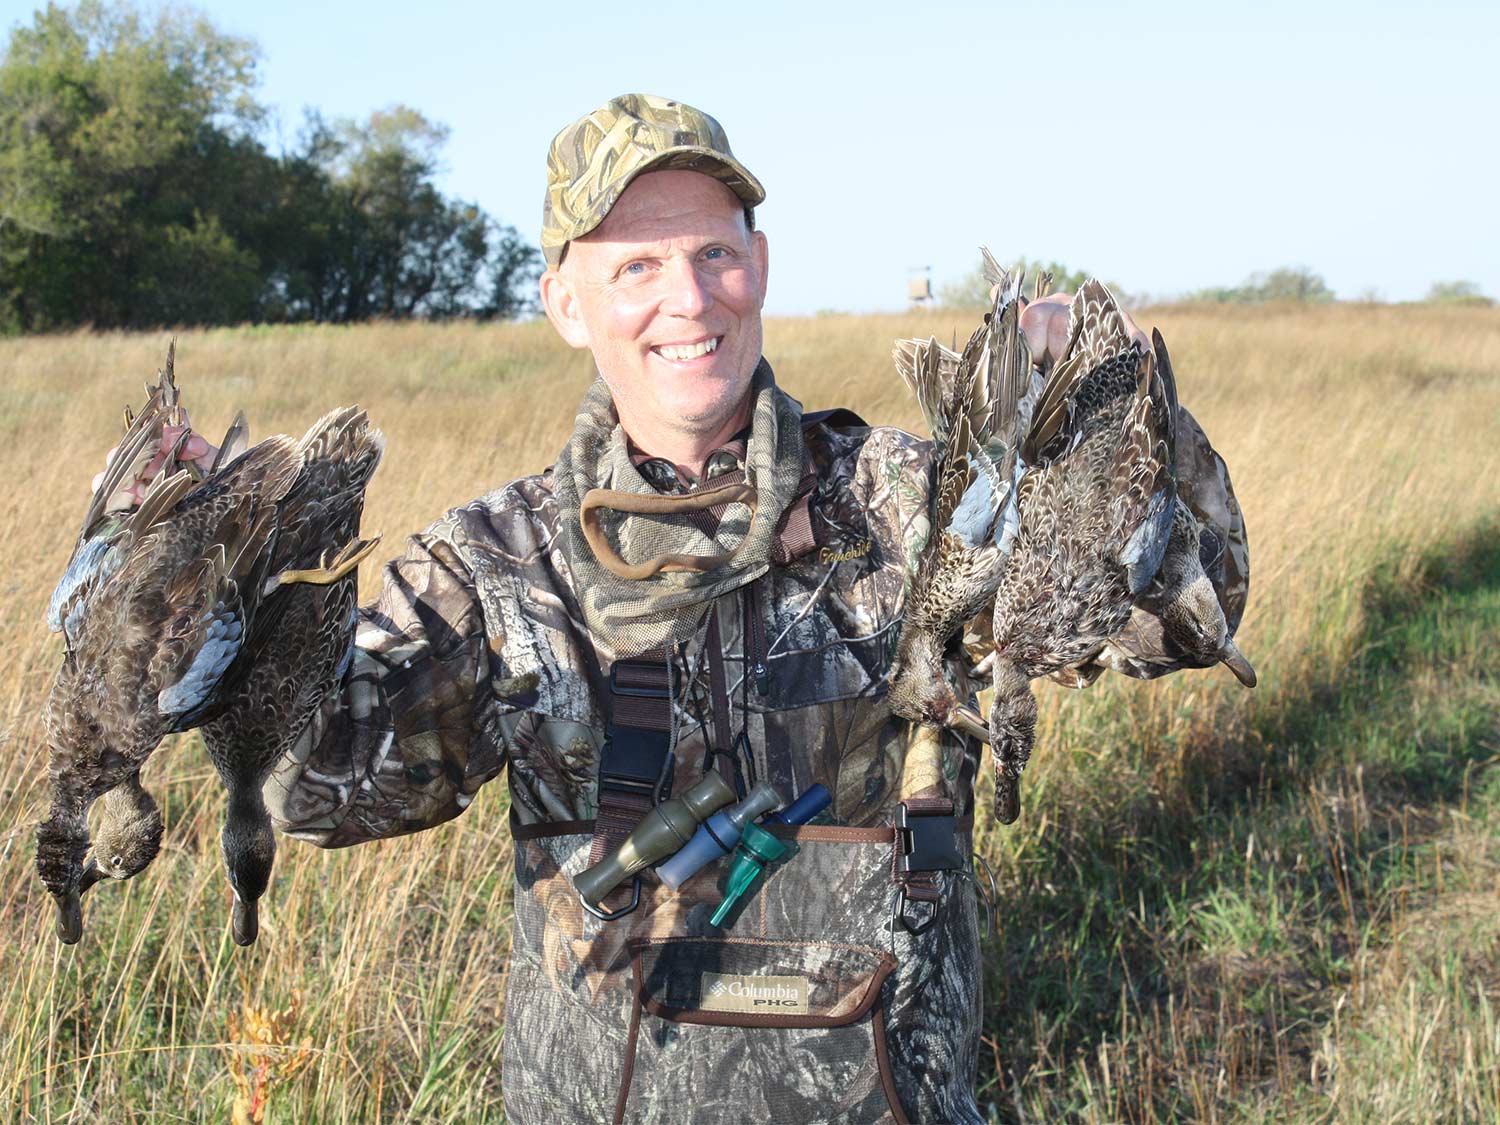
point(162, 610)
point(971, 407)
point(298, 639)
point(1096, 505)
point(1187, 616)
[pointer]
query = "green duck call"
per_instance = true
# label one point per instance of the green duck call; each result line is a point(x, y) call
point(661, 832)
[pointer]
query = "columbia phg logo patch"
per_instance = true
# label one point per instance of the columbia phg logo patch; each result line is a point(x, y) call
point(736, 992)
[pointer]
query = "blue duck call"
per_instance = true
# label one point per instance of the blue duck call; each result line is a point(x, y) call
point(717, 836)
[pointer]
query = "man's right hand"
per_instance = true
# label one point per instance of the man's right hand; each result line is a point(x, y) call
point(195, 449)
point(1044, 322)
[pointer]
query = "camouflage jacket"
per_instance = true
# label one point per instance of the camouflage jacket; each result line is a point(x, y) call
point(474, 658)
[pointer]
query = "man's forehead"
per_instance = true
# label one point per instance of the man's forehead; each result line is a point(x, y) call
point(665, 206)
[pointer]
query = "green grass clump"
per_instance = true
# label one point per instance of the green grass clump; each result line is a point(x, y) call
point(1301, 917)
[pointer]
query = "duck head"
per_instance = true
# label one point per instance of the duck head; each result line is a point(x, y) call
point(920, 691)
point(1182, 595)
point(128, 837)
point(1193, 623)
point(249, 851)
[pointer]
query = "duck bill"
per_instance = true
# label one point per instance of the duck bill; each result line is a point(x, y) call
point(92, 873)
point(967, 721)
point(245, 921)
point(69, 917)
point(1235, 661)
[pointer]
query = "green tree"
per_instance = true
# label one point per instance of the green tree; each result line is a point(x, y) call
point(122, 144)
point(1288, 283)
point(973, 291)
point(135, 191)
point(383, 241)
point(1457, 293)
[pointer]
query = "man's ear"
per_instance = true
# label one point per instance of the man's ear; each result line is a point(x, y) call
point(762, 253)
point(561, 306)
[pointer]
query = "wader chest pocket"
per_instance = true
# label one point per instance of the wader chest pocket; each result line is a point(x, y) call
point(749, 1029)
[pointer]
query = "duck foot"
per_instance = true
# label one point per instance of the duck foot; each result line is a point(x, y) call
point(349, 557)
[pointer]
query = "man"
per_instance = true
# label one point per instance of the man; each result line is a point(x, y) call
point(707, 579)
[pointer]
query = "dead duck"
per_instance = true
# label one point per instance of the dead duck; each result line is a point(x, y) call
point(1187, 617)
point(92, 692)
point(1096, 506)
point(298, 640)
point(154, 608)
point(970, 403)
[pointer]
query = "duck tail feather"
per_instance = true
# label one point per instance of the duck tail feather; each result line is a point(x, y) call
point(1096, 333)
point(236, 441)
point(161, 497)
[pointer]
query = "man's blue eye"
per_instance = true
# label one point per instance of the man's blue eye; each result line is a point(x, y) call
point(715, 252)
point(636, 267)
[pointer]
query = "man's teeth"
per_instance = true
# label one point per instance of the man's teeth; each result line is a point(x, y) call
point(681, 352)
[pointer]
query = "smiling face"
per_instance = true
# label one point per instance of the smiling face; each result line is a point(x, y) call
point(667, 294)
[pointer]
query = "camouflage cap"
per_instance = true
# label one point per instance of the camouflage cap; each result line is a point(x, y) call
point(594, 159)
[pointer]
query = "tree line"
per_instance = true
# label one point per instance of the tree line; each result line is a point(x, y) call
point(1295, 284)
point(136, 191)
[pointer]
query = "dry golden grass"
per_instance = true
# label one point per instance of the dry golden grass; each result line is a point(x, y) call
point(1359, 438)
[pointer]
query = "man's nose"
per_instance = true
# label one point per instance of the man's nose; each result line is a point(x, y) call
point(688, 292)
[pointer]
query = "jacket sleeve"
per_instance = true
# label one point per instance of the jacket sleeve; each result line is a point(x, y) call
point(414, 727)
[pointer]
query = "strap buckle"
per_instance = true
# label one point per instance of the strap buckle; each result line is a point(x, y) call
point(634, 758)
point(928, 841)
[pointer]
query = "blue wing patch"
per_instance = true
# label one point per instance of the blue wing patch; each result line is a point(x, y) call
point(79, 571)
point(1147, 546)
point(221, 644)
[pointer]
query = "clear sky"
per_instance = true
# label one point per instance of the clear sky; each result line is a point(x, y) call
point(1165, 146)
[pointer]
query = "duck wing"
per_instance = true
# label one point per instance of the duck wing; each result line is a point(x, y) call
point(318, 509)
point(972, 507)
point(977, 461)
point(107, 518)
point(214, 550)
point(1090, 374)
point(1109, 391)
point(321, 511)
point(1144, 474)
point(1141, 649)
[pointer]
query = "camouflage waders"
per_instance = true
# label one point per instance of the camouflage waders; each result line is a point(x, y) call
point(809, 1005)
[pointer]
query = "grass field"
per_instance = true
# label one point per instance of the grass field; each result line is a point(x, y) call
point(1220, 905)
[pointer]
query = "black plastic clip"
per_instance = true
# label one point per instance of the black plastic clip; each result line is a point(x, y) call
point(634, 758)
point(928, 843)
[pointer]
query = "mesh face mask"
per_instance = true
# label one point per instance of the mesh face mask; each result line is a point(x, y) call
point(647, 566)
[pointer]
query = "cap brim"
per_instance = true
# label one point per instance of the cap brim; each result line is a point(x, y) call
point(694, 158)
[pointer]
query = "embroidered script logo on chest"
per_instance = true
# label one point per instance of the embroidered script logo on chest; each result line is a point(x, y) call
point(859, 550)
